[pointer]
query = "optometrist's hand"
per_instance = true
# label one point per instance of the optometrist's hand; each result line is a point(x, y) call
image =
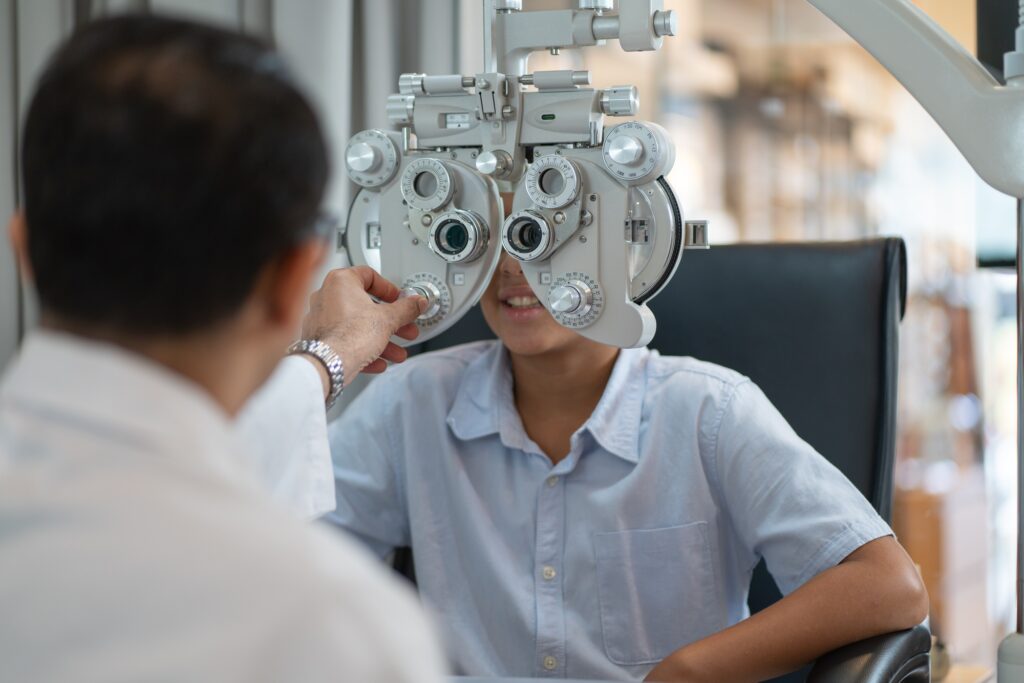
point(343, 314)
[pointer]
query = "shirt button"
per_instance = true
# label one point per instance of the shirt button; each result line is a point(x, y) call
point(550, 663)
point(552, 482)
point(549, 573)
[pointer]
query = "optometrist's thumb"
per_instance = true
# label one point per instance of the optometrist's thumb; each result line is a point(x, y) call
point(406, 309)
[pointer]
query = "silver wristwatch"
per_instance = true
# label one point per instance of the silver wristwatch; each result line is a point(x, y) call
point(331, 362)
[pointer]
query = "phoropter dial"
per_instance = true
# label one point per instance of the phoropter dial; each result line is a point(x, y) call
point(427, 185)
point(638, 153)
point(575, 300)
point(371, 158)
point(552, 181)
point(435, 291)
point(458, 236)
point(527, 236)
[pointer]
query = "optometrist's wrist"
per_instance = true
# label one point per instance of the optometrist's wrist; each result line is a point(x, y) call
point(329, 364)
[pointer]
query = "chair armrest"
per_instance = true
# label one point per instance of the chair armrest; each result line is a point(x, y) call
point(901, 657)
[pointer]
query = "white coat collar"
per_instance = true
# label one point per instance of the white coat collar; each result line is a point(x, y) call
point(105, 387)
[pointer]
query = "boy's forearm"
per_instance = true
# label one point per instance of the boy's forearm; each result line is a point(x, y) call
point(876, 590)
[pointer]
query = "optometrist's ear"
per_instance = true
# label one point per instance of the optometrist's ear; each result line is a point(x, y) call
point(287, 282)
point(17, 233)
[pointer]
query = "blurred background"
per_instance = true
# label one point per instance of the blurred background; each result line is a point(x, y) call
point(785, 130)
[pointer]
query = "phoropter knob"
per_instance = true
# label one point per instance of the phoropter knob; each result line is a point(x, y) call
point(428, 291)
point(400, 109)
point(572, 298)
point(626, 150)
point(666, 23)
point(497, 163)
point(622, 100)
point(363, 157)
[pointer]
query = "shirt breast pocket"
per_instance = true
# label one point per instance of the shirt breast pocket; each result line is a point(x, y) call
point(656, 589)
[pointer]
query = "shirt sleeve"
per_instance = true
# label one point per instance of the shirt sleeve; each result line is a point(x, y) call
point(369, 492)
point(283, 437)
point(786, 502)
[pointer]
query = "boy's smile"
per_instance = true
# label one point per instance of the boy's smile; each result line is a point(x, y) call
point(518, 318)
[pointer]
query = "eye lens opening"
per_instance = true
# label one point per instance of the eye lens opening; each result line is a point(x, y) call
point(452, 237)
point(552, 182)
point(526, 235)
point(425, 184)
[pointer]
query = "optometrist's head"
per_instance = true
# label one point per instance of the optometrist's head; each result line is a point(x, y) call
point(166, 165)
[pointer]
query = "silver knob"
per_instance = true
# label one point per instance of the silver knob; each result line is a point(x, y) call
point(599, 5)
point(622, 100)
point(572, 298)
point(411, 84)
point(565, 299)
point(363, 157)
point(400, 109)
point(496, 163)
point(665, 23)
point(429, 292)
point(508, 5)
point(626, 150)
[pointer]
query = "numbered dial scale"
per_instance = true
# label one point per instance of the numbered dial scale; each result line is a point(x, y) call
point(427, 185)
point(552, 181)
point(637, 153)
point(371, 158)
point(437, 294)
point(575, 300)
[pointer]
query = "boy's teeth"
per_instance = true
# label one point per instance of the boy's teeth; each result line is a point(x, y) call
point(522, 301)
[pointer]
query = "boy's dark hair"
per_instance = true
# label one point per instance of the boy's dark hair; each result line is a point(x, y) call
point(165, 163)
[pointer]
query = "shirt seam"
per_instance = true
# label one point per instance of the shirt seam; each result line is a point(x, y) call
point(399, 485)
point(858, 531)
point(719, 420)
point(733, 382)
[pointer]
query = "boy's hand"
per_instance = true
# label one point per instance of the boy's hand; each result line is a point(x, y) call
point(875, 590)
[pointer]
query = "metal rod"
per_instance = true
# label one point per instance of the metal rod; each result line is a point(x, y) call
point(1020, 416)
point(490, 56)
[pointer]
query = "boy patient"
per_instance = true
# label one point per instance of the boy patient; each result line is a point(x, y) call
point(580, 511)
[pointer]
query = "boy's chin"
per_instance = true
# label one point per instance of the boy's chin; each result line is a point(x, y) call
point(534, 342)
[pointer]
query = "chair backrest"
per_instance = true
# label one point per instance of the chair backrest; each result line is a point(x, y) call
point(815, 325)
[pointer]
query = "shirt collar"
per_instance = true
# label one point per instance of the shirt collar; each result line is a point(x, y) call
point(120, 393)
point(484, 404)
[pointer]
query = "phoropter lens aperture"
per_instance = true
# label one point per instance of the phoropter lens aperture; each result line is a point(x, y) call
point(425, 184)
point(452, 237)
point(527, 236)
point(458, 236)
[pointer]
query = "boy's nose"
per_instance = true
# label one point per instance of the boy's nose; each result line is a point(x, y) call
point(509, 265)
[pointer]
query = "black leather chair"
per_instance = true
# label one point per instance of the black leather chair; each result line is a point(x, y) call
point(816, 326)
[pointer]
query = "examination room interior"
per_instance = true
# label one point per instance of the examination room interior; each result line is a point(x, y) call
point(785, 130)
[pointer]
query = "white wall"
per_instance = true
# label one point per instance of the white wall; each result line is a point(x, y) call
point(9, 289)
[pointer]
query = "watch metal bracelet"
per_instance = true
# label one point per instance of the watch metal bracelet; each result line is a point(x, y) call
point(331, 362)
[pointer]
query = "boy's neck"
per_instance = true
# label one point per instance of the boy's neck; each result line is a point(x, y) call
point(555, 393)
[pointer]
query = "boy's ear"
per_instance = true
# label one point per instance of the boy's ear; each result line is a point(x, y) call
point(288, 282)
point(17, 234)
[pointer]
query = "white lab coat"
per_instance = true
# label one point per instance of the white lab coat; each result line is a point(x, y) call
point(283, 432)
point(133, 546)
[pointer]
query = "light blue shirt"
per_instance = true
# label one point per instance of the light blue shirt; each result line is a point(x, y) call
point(641, 541)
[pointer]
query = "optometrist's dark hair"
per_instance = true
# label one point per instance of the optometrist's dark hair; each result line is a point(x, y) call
point(165, 165)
